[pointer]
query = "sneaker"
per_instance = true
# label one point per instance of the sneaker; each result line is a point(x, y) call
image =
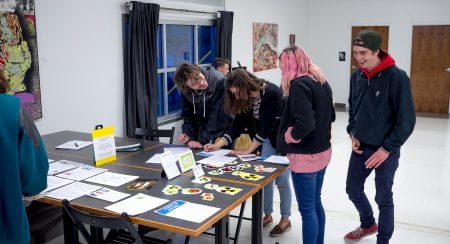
point(279, 231)
point(268, 222)
point(360, 233)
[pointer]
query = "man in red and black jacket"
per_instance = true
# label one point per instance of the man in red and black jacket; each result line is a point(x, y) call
point(381, 118)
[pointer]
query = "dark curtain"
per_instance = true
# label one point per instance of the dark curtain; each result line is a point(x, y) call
point(224, 34)
point(140, 66)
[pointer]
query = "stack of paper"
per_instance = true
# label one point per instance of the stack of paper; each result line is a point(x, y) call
point(217, 160)
point(73, 191)
point(81, 173)
point(61, 166)
point(137, 204)
point(112, 179)
point(54, 182)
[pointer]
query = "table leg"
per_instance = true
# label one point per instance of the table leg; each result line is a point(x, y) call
point(257, 202)
point(70, 233)
point(221, 231)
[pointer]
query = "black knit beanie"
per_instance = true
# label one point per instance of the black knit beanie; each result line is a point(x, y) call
point(369, 39)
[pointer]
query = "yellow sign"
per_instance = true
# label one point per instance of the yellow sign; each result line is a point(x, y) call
point(104, 145)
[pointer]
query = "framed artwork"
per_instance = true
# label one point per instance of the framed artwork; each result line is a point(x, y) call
point(265, 44)
point(19, 55)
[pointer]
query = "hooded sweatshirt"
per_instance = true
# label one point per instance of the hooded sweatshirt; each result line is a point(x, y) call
point(203, 112)
point(23, 169)
point(381, 109)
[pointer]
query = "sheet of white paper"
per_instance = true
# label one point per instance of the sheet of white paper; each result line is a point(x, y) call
point(217, 160)
point(112, 179)
point(61, 166)
point(187, 211)
point(137, 204)
point(248, 157)
point(74, 145)
point(73, 191)
point(169, 165)
point(154, 159)
point(220, 152)
point(277, 159)
point(54, 182)
point(51, 160)
point(176, 151)
point(81, 173)
point(109, 195)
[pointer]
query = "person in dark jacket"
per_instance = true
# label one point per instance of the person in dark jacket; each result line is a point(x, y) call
point(222, 65)
point(381, 118)
point(255, 104)
point(202, 92)
point(23, 167)
point(304, 134)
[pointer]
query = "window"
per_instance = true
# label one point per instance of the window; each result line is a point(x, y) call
point(179, 43)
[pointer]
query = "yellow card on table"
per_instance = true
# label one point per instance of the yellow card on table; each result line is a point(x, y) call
point(104, 145)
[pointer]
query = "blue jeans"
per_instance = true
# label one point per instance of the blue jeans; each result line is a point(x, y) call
point(282, 182)
point(384, 179)
point(308, 188)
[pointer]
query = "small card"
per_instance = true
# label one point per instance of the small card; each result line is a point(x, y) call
point(186, 161)
point(169, 165)
point(198, 171)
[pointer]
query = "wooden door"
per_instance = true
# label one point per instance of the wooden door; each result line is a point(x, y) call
point(384, 32)
point(430, 63)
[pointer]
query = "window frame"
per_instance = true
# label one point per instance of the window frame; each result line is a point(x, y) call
point(167, 118)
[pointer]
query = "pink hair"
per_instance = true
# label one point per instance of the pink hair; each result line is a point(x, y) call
point(295, 63)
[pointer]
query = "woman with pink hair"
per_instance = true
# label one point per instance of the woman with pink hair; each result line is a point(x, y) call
point(304, 135)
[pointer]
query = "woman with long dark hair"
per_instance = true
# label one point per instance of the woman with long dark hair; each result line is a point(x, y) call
point(255, 104)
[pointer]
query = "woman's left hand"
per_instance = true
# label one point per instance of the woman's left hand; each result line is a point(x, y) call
point(288, 136)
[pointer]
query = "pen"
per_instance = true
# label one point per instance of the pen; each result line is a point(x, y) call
point(76, 144)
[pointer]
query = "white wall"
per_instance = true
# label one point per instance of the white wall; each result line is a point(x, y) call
point(290, 15)
point(329, 31)
point(80, 47)
point(81, 62)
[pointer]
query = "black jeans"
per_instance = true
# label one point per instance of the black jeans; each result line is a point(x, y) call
point(384, 179)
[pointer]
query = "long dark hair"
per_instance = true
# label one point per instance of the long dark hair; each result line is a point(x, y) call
point(4, 85)
point(245, 82)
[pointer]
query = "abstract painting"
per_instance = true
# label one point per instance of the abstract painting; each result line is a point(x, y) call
point(265, 44)
point(19, 54)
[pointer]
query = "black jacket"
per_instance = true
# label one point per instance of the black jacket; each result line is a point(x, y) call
point(259, 129)
point(310, 111)
point(381, 109)
point(203, 113)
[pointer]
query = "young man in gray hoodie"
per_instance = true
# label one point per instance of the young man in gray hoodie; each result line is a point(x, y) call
point(202, 92)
